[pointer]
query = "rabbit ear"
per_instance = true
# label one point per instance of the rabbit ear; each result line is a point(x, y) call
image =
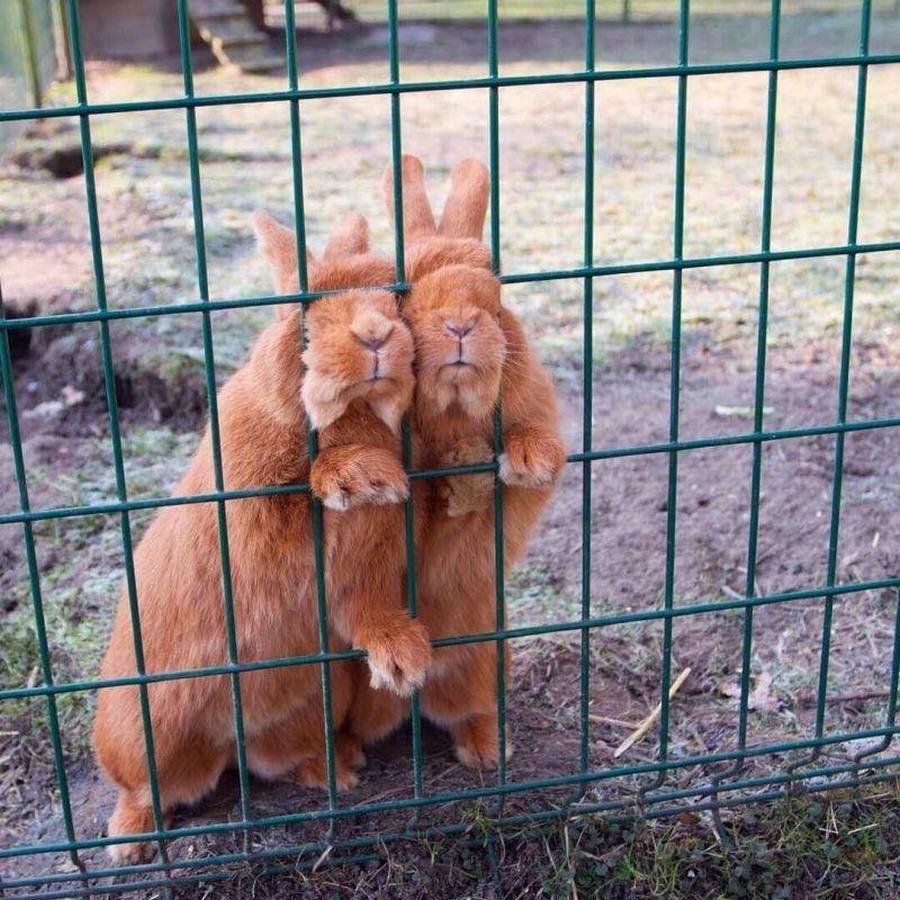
point(418, 220)
point(278, 244)
point(349, 238)
point(466, 204)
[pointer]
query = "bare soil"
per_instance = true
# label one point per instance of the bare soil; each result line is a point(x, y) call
point(628, 521)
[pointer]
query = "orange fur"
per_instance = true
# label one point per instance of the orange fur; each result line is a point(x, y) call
point(455, 316)
point(177, 571)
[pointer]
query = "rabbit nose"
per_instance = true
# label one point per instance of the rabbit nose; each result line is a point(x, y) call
point(372, 333)
point(460, 329)
point(373, 343)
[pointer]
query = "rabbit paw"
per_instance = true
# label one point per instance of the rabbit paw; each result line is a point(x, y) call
point(130, 817)
point(312, 773)
point(342, 479)
point(475, 742)
point(399, 655)
point(349, 750)
point(531, 458)
point(471, 491)
point(131, 854)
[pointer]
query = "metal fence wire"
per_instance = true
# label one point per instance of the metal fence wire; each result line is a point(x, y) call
point(723, 777)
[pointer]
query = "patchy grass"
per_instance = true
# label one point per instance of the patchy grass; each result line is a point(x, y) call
point(80, 562)
point(144, 194)
point(821, 848)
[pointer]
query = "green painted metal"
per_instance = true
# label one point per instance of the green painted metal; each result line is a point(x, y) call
point(497, 437)
point(452, 84)
point(315, 506)
point(400, 269)
point(758, 401)
point(587, 364)
point(212, 405)
point(722, 780)
point(112, 407)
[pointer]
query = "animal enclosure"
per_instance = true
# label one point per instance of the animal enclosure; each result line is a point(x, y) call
point(567, 771)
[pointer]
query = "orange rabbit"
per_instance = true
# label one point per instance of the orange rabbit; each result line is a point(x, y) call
point(470, 352)
point(356, 387)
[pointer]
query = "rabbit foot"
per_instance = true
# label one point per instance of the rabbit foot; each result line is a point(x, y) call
point(531, 459)
point(130, 817)
point(349, 750)
point(475, 743)
point(367, 475)
point(399, 654)
point(312, 773)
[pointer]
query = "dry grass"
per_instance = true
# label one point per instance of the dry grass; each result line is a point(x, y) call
point(145, 210)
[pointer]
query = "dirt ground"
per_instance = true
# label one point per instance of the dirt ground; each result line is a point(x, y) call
point(628, 543)
point(144, 205)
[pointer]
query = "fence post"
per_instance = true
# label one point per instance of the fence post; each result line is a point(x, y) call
point(60, 40)
point(32, 76)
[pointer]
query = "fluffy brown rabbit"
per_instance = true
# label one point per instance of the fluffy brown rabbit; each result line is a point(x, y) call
point(357, 383)
point(470, 352)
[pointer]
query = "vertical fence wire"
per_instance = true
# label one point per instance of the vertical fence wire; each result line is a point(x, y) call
point(891, 707)
point(34, 580)
point(312, 443)
point(499, 583)
point(674, 394)
point(29, 54)
point(843, 380)
point(846, 347)
point(109, 384)
point(406, 445)
point(762, 325)
point(587, 431)
point(213, 410)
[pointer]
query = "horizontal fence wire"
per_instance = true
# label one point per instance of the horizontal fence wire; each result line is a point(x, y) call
point(649, 614)
point(598, 454)
point(408, 87)
point(624, 802)
point(635, 268)
point(716, 779)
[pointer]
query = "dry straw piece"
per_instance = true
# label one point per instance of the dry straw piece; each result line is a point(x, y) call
point(645, 726)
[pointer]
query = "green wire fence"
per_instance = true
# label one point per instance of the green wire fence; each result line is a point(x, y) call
point(570, 793)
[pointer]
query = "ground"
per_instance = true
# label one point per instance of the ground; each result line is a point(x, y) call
point(149, 259)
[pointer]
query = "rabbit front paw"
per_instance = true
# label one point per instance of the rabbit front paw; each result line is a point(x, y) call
point(399, 655)
point(531, 458)
point(342, 479)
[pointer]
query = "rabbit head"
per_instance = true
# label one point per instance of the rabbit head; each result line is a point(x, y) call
point(358, 348)
point(453, 307)
point(460, 346)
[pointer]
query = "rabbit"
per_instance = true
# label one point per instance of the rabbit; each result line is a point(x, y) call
point(176, 565)
point(470, 353)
